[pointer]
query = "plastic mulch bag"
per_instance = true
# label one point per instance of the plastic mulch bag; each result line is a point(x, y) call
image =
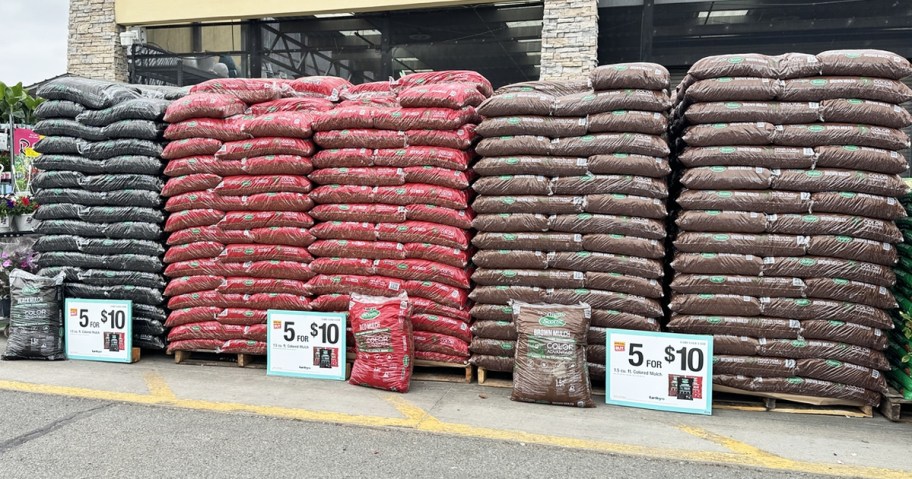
point(382, 328)
point(36, 319)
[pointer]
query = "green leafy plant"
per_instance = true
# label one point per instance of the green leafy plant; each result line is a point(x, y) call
point(15, 101)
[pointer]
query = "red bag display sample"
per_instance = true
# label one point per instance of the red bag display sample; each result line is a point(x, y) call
point(286, 235)
point(342, 248)
point(245, 220)
point(298, 104)
point(241, 316)
point(404, 119)
point(193, 182)
point(204, 105)
point(285, 124)
point(460, 139)
point(242, 253)
point(237, 150)
point(320, 86)
point(345, 230)
point(272, 165)
point(192, 284)
point(251, 185)
point(249, 285)
point(192, 315)
point(191, 218)
point(344, 157)
point(422, 232)
point(440, 343)
point(207, 233)
point(360, 138)
point(422, 270)
point(371, 213)
point(191, 251)
point(449, 76)
point(383, 340)
point(442, 95)
point(442, 325)
point(228, 129)
point(191, 147)
point(248, 90)
point(423, 156)
point(363, 176)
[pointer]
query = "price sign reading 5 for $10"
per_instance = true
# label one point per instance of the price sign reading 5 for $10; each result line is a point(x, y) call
point(306, 344)
point(99, 330)
point(663, 371)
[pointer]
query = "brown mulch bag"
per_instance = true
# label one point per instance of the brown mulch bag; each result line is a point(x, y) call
point(551, 127)
point(529, 204)
point(514, 145)
point(746, 285)
point(558, 88)
point(517, 103)
point(800, 386)
point(857, 204)
point(608, 318)
point(624, 245)
point(587, 223)
point(842, 110)
point(827, 310)
point(867, 63)
point(550, 354)
point(845, 290)
point(736, 326)
point(621, 283)
point(607, 184)
point(828, 88)
point(628, 121)
point(727, 178)
point(752, 156)
point(831, 179)
point(853, 249)
point(607, 263)
point(500, 329)
point(735, 345)
point(711, 263)
point(493, 363)
point(505, 348)
point(750, 244)
point(626, 205)
point(798, 349)
point(498, 313)
point(734, 89)
point(592, 102)
point(722, 221)
point(608, 143)
point(529, 241)
point(502, 295)
point(511, 222)
point(754, 366)
point(513, 185)
point(861, 158)
point(775, 112)
point(715, 304)
point(609, 300)
point(637, 75)
point(840, 372)
point(627, 164)
point(823, 267)
point(736, 65)
point(721, 134)
point(761, 201)
point(531, 165)
point(821, 134)
point(849, 333)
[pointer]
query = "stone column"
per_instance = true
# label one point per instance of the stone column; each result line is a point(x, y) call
point(94, 49)
point(569, 39)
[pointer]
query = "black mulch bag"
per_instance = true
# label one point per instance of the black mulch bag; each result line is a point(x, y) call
point(57, 242)
point(151, 312)
point(68, 163)
point(140, 109)
point(59, 109)
point(94, 94)
point(134, 262)
point(129, 230)
point(64, 127)
point(59, 145)
point(148, 341)
point(139, 129)
point(36, 317)
point(133, 164)
point(138, 165)
point(122, 182)
point(150, 327)
point(137, 294)
point(120, 214)
point(57, 179)
point(138, 198)
point(103, 150)
point(106, 277)
point(52, 243)
point(69, 273)
point(53, 196)
point(58, 211)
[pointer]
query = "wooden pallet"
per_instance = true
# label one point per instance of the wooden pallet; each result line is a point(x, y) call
point(895, 407)
point(200, 357)
point(135, 355)
point(728, 398)
point(498, 379)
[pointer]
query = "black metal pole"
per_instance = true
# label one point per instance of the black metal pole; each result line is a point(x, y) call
point(646, 30)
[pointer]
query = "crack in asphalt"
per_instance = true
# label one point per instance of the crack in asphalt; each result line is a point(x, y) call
point(17, 441)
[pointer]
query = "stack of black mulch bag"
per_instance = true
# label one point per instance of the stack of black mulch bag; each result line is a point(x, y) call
point(99, 190)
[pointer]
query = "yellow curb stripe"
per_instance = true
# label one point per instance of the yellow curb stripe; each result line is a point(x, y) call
point(157, 385)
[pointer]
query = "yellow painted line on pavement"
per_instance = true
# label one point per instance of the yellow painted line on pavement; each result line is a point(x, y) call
point(416, 418)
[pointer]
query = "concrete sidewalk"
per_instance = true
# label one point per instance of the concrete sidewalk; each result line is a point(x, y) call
point(850, 447)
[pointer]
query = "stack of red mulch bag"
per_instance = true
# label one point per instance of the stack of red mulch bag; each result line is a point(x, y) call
point(238, 197)
point(393, 202)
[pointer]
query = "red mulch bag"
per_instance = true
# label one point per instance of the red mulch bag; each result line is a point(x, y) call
point(192, 284)
point(442, 325)
point(422, 270)
point(360, 138)
point(346, 284)
point(341, 248)
point(431, 175)
point(383, 339)
point(242, 253)
point(451, 76)
point(285, 201)
point(207, 233)
point(346, 118)
point(330, 302)
point(193, 182)
point(378, 100)
point(366, 90)
point(288, 302)
point(203, 200)
point(345, 230)
point(459, 139)
point(197, 299)
point(236, 150)
point(250, 285)
point(369, 176)
point(417, 193)
point(286, 235)
point(198, 314)
point(403, 119)
point(371, 213)
point(422, 232)
point(244, 220)
point(276, 165)
point(241, 316)
point(195, 345)
point(355, 266)
point(440, 343)
point(441, 293)
point(320, 86)
point(251, 185)
point(423, 156)
point(244, 346)
point(344, 157)
point(192, 218)
point(201, 267)
point(194, 165)
point(191, 251)
point(207, 330)
point(440, 358)
point(224, 130)
point(291, 105)
point(248, 90)
point(426, 306)
point(343, 194)
point(204, 105)
point(278, 270)
point(454, 257)
point(191, 147)
point(285, 124)
point(437, 214)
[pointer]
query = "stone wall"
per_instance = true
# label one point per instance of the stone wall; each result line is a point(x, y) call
point(569, 39)
point(94, 49)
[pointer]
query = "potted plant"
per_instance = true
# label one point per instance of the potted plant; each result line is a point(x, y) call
point(23, 214)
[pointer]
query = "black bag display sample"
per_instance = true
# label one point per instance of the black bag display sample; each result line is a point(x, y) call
point(36, 317)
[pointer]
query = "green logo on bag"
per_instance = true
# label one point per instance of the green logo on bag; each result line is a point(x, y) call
point(581, 291)
point(802, 302)
point(370, 314)
point(710, 255)
point(618, 196)
point(735, 60)
point(854, 101)
point(402, 266)
point(833, 363)
point(810, 218)
point(248, 282)
point(844, 239)
point(248, 314)
point(621, 155)
point(795, 380)
point(514, 120)
point(807, 261)
point(727, 149)
point(248, 251)
point(717, 169)
point(587, 138)
point(847, 194)
point(840, 281)
point(509, 237)
point(706, 296)
point(511, 161)
point(816, 128)
point(721, 237)
point(508, 200)
point(713, 320)
point(819, 82)
point(724, 79)
point(798, 343)
point(506, 177)
point(713, 212)
point(506, 346)
point(584, 216)
point(619, 112)
point(837, 324)
point(733, 105)
point(717, 279)
point(506, 310)
point(583, 254)
point(552, 320)
point(509, 274)
point(724, 194)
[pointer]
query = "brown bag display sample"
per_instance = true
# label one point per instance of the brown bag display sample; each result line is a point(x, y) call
point(627, 164)
point(862, 158)
point(511, 222)
point(748, 244)
point(820, 134)
point(552, 127)
point(761, 201)
point(493, 363)
point(504, 185)
point(529, 241)
point(839, 289)
point(592, 102)
point(716, 263)
point(715, 304)
point(624, 245)
point(549, 205)
point(588, 223)
point(830, 224)
point(722, 221)
point(625, 205)
point(532, 165)
point(857, 204)
point(500, 330)
point(850, 248)
point(514, 145)
point(734, 89)
point(608, 143)
point(829, 179)
point(867, 63)
point(722, 134)
point(866, 112)
point(494, 347)
point(800, 386)
point(727, 178)
point(736, 326)
point(751, 156)
point(635, 75)
point(550, 356)
point(610, 184)
point(829, 88)
point(823, 267)
point(744, 285)
point(628, 121)
point(849, 333)
point(826, 310)
point(775, 112)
